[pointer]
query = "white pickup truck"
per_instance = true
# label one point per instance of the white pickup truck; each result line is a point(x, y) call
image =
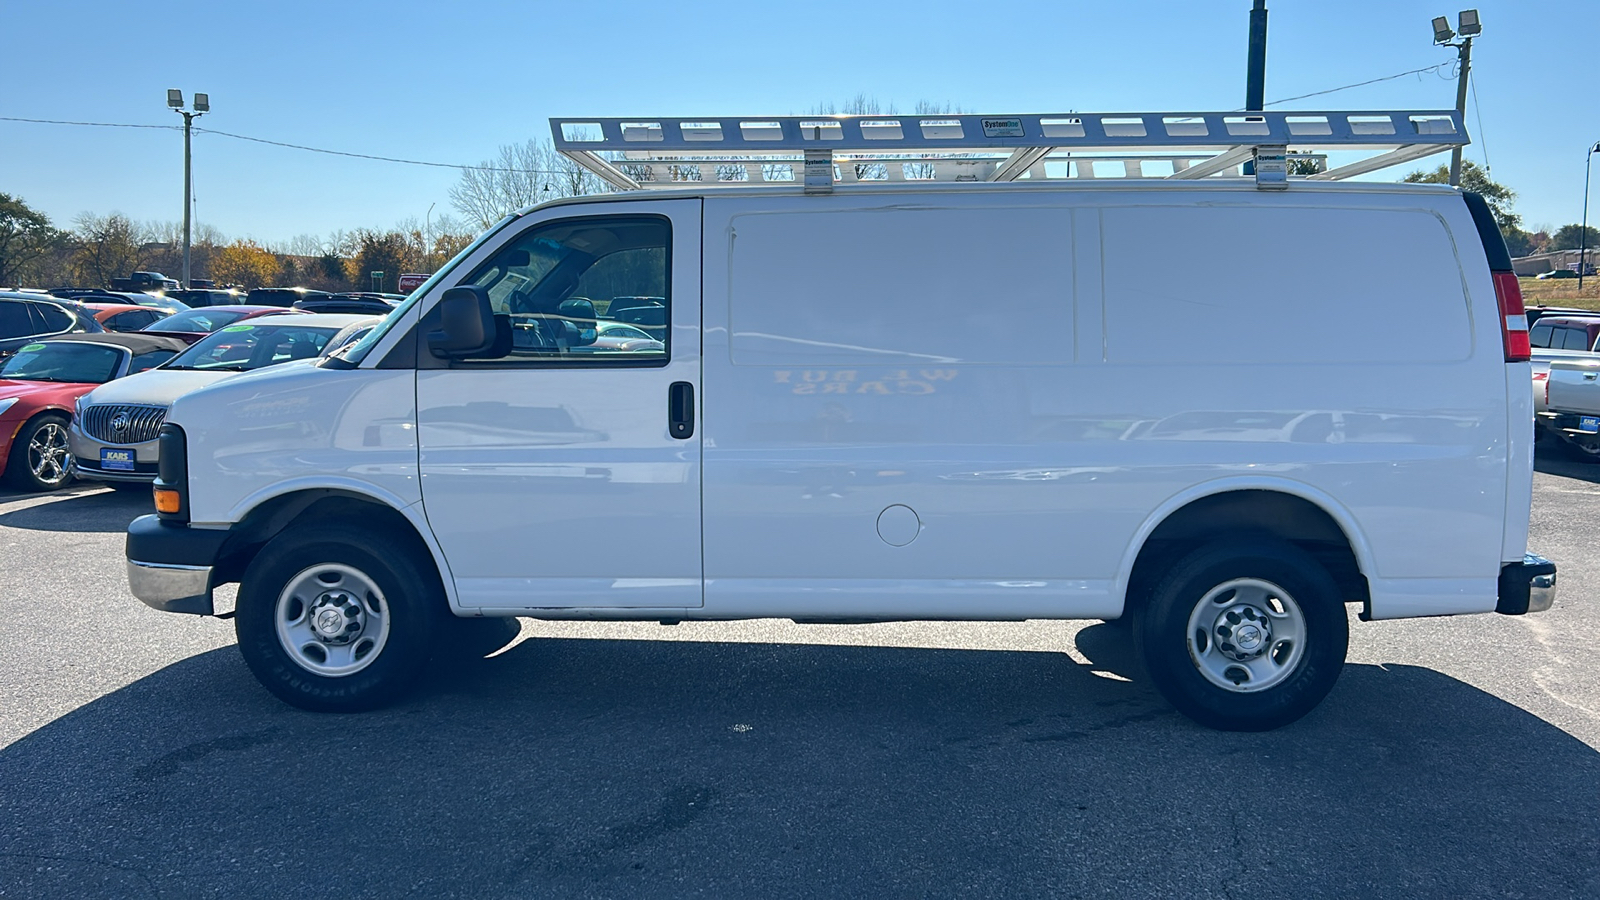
point(1572, 404)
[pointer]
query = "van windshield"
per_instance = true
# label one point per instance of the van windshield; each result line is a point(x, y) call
point(353, 353)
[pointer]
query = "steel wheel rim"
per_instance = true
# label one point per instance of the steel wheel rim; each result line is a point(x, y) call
point(49, 459)
point(332, 620)
point(1246, 635)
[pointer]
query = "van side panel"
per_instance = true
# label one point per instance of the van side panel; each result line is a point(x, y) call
point(1345, 346)
point(874, 439)
point(900, 424)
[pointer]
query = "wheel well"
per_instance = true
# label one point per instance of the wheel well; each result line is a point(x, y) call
point(271, 518)
point(1283, 516)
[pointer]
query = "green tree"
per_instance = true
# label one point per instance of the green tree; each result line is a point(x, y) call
point(389, 252)
point(1519, 242)
point(1570, 237)
point(25, 236)
point(1475, 179)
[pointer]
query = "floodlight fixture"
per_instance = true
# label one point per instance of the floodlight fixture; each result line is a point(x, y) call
point(175, 98)
point(202, 102)
point(1467, 23)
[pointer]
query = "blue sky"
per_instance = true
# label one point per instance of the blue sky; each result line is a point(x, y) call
point(452, 82)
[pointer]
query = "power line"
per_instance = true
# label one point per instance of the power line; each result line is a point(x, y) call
point(243, 137)
point(409, 162)
point(458, 166)
point(92, 124)
point(1347, 87)
point(1483, 143)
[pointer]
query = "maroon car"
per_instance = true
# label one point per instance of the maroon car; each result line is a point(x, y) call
point(193, 324)
point(42, 382)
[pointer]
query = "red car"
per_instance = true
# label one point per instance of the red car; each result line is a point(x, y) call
point(120, 317)
point(193, 324)
point(40, 385)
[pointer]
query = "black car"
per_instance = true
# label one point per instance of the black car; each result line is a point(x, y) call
point(208, 297)
point(28, 317)
point(92, 295)
point(279, 296)
point(356, 303)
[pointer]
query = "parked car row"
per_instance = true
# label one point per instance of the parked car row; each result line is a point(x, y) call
point(80, 401)
point(41, 383)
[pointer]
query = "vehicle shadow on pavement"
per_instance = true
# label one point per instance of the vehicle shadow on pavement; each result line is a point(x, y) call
point(642, 768)
point(1554, 462)
point(90, 509)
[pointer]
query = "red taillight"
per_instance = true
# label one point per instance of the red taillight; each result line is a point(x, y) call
point(1513, 318)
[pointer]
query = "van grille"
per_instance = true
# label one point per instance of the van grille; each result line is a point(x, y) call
point(116, 423)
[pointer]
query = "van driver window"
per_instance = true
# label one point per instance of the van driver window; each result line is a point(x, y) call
point(560, 289)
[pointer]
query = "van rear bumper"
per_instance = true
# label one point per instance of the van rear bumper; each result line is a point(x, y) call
point(1527, 586)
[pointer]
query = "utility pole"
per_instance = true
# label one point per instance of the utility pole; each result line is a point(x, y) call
point(202, 105)
point(1255, 79)
point(1255, 84)
point(1461, 107)
point(1583, 235)
point(1468, 27)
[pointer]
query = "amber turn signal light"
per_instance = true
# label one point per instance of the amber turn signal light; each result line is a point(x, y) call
point(167, 500)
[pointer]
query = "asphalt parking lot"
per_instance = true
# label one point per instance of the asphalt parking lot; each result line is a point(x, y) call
point(1456, 757)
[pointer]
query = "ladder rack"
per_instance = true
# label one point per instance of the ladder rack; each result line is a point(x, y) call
point(645, 152)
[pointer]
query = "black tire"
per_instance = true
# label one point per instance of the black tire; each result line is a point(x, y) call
point(27, 470)
point(1582, 449)
point(412, 598)
point(1285, 693)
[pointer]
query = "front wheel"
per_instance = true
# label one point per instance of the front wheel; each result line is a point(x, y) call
point(337, 618)
point(1244, 635)
point(40, 460)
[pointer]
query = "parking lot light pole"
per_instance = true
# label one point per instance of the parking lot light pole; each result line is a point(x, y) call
point(202, 105)
point(1583, 233)
point(1468, 27)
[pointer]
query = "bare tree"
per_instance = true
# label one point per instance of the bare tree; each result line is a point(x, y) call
point(307, 245)
point(108, 247)
point(519, 175)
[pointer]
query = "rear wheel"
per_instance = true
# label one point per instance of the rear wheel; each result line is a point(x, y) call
point(40, 459)
point(1582, 447)
point(1244, 635)
point(336, 618)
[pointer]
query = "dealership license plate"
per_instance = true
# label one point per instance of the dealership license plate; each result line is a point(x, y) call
point(116, 460)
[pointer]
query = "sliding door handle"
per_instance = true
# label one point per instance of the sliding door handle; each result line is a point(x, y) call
point(680, 410)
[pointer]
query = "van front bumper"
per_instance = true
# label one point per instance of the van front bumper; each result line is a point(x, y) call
point(1527, 586)
point(170, 564)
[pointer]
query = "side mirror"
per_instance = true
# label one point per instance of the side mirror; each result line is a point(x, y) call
point(466, 324)
point(580, 312)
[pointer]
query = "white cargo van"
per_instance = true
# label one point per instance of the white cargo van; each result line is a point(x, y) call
point(942, 399)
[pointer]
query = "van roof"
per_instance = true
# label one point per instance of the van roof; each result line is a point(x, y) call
point(1136, 185)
